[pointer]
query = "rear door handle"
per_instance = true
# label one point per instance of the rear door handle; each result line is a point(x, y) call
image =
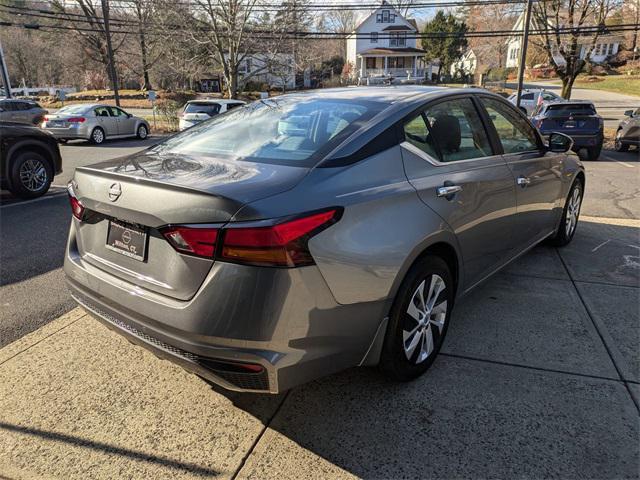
point(448, 191)
point(523, 181)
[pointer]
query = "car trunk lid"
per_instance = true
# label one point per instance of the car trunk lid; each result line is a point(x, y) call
point(148, 191)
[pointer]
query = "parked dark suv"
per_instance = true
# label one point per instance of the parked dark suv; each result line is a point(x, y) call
point(578, 119)
point(29, 159)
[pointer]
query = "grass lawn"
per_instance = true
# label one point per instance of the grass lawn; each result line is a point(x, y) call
point(628, 85)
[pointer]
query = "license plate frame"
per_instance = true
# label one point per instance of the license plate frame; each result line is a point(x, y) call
point(127, 239)
point(569, 124)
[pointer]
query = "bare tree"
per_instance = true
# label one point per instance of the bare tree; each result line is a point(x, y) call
point(553, 17)
point(403, 6)
point(90, 30)
point(490, 51)
point(343, 22)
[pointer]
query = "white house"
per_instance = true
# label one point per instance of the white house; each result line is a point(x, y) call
point(607, 46)
point(383, 48)
point(466, 65)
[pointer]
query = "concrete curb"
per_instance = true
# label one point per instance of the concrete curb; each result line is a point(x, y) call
point(35, 337)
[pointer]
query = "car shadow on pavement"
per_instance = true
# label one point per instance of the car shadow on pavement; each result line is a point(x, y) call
point(107, 448)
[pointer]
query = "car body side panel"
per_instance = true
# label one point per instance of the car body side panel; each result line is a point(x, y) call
point(482, 215)
point(539, 202)
point(362, 255)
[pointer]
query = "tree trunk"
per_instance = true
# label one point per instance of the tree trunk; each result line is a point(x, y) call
point(567, 86)
point(145, 65)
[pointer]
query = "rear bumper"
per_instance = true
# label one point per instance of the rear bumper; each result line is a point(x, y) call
point(285, 320)
point(69, 133)
point(581, 140)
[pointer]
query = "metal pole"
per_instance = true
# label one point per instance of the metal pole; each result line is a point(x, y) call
point(5, 74)
point(112, 66)
point(523, 50)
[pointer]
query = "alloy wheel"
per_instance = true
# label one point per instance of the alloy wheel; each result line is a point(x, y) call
point(33, 175)
point(573, 211)
point(142, 132)
point(98, 136)
point(426, 316)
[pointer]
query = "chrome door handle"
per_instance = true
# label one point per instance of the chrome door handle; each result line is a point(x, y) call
point(448, 190)
point(523, 181)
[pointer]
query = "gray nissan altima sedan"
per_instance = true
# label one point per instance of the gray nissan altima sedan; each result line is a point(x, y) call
point(304, 234)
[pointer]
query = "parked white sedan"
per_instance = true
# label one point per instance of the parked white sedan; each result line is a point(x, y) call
point(531, 99)
point(196, 111)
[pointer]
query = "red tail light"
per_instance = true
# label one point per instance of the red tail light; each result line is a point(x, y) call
point(76, 120)
point(282, 245)
point(200, 242)
point(77, 209)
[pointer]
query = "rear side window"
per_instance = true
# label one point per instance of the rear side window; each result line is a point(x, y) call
point(515, 133)
point(450, 131)
point(210, 109)
point(8, 106)
point(231, 106)
point(527, 96)
point(102, 112)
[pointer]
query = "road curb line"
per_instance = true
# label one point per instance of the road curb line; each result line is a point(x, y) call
point(35, 337)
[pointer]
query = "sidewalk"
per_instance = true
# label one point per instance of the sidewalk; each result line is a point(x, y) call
point(539, 377)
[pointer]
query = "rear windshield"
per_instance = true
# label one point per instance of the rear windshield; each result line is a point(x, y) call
point(73, 109)
point(562, 109)
point(210, 109)
point(291, 130)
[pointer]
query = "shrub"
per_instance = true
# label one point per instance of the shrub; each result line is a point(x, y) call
point(168, 112)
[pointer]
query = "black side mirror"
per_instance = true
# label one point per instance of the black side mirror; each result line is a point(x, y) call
point(559, 142)
point(628, 113)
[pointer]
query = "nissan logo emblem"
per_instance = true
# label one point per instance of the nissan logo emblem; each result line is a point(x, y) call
point(115, 190)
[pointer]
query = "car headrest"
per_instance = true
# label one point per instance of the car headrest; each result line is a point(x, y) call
point(446, 129)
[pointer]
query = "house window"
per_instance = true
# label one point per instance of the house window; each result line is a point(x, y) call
point(398, 39)
point(385, 17)
point(611, 48)
point(374, 37)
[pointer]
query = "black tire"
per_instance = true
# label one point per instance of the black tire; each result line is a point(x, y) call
point(30, 175)
point(142, 132)
point(620, 147)
point(97, 136)
point(593, 153)
point(395, 362)
point(564, 235)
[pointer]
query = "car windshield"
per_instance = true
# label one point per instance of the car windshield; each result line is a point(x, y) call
point(563, 109)
point(289, 130)
point(209, 108)
point(73, 109)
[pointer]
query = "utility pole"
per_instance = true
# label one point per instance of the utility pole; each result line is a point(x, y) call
point(5, 74)
point(112, 66)
point(523, 50)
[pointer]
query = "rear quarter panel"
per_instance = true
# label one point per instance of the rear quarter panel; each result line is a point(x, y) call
point(384, 227)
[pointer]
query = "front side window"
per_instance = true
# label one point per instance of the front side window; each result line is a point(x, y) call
point(116, 112)
point(454, 132)
point(515, 133)
point(286, 131)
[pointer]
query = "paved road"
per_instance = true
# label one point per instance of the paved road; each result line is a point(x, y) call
point(33, 236)
point(610, 105)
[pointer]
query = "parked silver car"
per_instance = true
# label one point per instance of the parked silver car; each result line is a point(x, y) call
point(94, 122)
point(628, 132)
point(312, 232)
point(196, 111)
point(21, 111)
